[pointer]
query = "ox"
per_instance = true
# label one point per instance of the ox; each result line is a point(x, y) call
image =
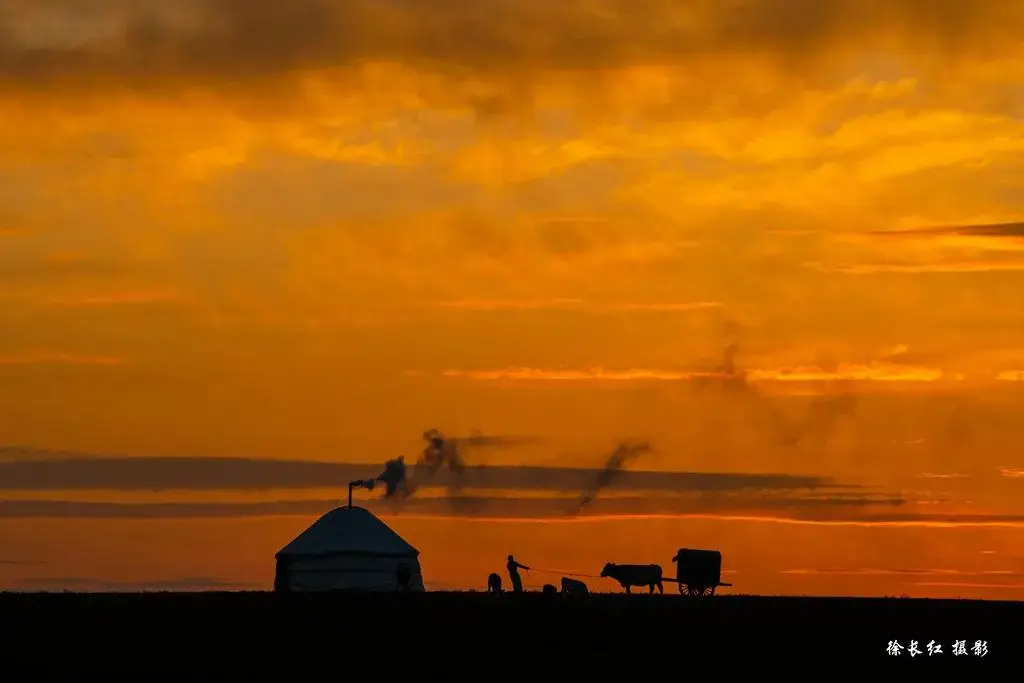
point(494, 583)
point(629, 575)
point(573, 587)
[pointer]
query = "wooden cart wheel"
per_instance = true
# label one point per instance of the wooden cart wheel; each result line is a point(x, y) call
point(682, 587)
point(694, 590)
point(710, 590)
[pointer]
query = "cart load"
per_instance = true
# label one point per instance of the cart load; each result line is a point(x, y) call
point(698, 572)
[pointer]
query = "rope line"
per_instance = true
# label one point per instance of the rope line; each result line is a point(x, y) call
point(553, 571)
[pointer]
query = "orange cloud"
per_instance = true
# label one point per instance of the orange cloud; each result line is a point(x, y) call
point(497, 305)
point(977, 266)
point(907, 521)
point(599, 374)
point(902, 572)
point(126, 298)
point(50, 358)
point(551, 510)
point(843, 373)
point(849, 372)
point(958, 584)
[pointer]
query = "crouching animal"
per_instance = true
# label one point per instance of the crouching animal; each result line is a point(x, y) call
point(629, 575)
point(573, 587)
point(494, 583)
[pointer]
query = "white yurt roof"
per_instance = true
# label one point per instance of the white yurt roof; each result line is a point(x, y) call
point(349, 530)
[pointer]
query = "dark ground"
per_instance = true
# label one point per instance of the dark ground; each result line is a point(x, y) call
point(463, 632)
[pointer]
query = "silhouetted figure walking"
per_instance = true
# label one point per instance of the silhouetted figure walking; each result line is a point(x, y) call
point(513, 572)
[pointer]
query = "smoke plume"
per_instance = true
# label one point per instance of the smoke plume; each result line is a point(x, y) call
point(450, 452)
point(823, 415)
point(396, 483)
point(440, 452)
point(732, 380)
point(623, 454)
point(394, 478)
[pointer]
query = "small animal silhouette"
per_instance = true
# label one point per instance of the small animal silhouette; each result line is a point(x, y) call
point(549, 590)
point(573, 587)
point(494, 583)
point(635, 575)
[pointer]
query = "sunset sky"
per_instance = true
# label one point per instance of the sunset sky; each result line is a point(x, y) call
point(782, 241)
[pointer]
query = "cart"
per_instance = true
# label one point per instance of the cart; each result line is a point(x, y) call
point(698, 572)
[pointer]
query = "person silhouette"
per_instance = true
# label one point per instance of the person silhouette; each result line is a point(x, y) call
point(404, 577)
point(513, 572)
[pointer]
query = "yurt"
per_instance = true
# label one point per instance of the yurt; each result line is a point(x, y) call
point(348, 549)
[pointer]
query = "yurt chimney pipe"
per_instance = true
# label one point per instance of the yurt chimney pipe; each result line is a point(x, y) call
point(365, 483)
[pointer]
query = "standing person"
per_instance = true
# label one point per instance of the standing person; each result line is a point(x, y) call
point(513, 572)
point(404, 576)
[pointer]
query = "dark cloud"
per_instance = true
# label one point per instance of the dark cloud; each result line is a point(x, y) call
point(993, 230)
point(146, 44)
point(838, 508)
point(28, 453)
point(1007, 230)
point(59, 509)
point(155, 474)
